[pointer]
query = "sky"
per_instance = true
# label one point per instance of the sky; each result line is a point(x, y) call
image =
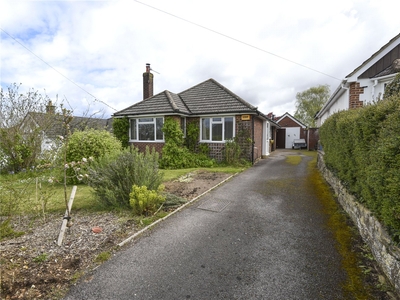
point(90, 55)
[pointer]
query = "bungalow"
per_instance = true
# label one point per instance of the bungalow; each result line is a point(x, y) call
point(366, 83)
point(218, 113)
point(50, 125)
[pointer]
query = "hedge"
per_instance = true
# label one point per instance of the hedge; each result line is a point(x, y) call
point(362, 147)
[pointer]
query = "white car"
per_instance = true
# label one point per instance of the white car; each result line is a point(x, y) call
point(299, 144)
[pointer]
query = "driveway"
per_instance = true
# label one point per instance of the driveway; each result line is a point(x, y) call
point(261, 235)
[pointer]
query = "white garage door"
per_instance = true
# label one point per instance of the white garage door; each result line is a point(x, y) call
point(292, 133)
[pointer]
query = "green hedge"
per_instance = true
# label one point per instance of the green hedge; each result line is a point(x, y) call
point(363, 148)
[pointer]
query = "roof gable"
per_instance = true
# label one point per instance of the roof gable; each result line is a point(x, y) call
point(379, 61)
point(287, 115)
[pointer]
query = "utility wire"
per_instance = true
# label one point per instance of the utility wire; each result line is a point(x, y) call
point(236, 40)
point(70, 80)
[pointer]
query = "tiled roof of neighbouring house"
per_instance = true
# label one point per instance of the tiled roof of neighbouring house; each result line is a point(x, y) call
point(52, 124)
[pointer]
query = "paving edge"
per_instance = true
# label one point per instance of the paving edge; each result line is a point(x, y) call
point(172, 213)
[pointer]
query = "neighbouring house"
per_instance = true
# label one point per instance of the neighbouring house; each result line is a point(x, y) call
point(51, 125)
point(366, 83)
point(219, 114)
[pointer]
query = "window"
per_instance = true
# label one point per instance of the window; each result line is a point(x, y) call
point(217, 129)
point(147, 129)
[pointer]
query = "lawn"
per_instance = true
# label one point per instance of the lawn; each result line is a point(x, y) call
point(28, 194)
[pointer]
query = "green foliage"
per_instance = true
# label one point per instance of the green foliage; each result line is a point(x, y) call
point(393, 88)
point(192, 135)
point(6, 231)
point(232, 152)
point(309, 102)
point(144, 201)
point(113, 176)
point(174, 154)
point(363, 148)
point(89, 143)
point(103, 256)
point(121, 130)
point(40, 258)
point(20, 137)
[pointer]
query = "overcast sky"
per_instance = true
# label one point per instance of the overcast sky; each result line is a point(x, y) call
point(263, 51)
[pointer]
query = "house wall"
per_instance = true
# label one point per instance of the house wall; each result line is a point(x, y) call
point(355, 90)
point(142, 146)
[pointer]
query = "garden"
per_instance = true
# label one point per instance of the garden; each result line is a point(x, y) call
point(101, 192)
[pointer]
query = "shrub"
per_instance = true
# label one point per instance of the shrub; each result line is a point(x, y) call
point(89, 143)
point(121, 130)
point(144, 201)
point(113, 176)
point(363, 148)
point(232, 152)
point(175, 155)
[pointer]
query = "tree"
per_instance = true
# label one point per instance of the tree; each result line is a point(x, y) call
point(20, 145)
point(309, 102)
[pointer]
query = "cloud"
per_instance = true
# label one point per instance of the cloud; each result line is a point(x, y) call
point(264, 53)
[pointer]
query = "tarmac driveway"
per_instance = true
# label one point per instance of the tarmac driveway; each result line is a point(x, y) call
point(261, 235)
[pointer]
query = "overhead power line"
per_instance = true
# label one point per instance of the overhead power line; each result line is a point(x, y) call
point(236, 40)
point(70, 80)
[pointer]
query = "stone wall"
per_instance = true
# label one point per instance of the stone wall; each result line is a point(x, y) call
point(373, 233)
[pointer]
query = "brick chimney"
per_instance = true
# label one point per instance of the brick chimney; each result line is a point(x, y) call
point(50, 108)
point(147, 83)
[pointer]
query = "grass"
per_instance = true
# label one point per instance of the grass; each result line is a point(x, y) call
point(24, 194)
point(102, 257)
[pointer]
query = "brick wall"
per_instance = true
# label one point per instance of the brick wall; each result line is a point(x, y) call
point(354, 99)
point(288, 122)
point(142, 146)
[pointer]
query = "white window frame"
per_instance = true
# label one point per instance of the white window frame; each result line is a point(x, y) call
point(214, 120)
point(142, 121)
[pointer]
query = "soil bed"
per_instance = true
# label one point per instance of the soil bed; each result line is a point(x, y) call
point(33, 266)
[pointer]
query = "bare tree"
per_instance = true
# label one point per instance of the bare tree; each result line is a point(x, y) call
point(20, 132)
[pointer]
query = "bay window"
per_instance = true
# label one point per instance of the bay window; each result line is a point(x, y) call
point(147, 129)
point(217, 129)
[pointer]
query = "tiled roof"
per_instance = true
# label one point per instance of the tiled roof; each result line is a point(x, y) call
point(52, 124)
point(211, 97)
point(208, 97)
point(162, 103)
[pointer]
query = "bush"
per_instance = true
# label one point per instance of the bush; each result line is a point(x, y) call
point(232, 152)
point(363, 148)
point(121, 130)
point(175, 155)
point(89, 143)
point(113, 176)
point(144, 201)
